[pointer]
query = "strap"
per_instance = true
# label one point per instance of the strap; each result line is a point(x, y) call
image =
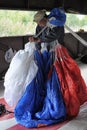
point(76, 36)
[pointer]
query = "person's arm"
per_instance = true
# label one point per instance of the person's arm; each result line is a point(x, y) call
point(33, 39)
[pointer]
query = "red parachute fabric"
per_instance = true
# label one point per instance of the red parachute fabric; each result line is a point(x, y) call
point(72, 84)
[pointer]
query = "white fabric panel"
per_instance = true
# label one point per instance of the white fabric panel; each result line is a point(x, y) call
point(21, 72)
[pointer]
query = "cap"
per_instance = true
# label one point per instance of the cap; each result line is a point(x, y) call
point(39, 15)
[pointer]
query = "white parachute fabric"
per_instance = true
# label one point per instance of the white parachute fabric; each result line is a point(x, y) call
point(21, 72)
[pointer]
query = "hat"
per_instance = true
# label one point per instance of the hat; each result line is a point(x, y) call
point(39, 15)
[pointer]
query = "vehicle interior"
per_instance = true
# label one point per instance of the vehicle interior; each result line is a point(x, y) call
point(75, 42)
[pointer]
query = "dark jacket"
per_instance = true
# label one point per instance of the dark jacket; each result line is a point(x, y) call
point(50, 35)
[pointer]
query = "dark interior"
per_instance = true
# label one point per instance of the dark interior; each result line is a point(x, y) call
point(75, 6)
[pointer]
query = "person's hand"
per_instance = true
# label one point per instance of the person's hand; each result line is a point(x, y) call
point(33, 39)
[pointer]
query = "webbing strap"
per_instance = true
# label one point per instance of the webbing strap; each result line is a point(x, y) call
point(76, 36)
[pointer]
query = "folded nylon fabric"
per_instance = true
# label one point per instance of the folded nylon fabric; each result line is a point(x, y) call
point(73, 87)
point(55, 94)
point(57, 17)
point(21, 72)
point(42, 103)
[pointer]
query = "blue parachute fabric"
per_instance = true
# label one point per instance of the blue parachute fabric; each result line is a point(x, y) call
point(47, 62)
point(30, 103)
point(39, 62)
point(59, 15)
point(41, 105)
point(54, 109)
point(32, 100)
point(38, 59)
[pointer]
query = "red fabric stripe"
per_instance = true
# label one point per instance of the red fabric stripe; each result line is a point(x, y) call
point(52, 127)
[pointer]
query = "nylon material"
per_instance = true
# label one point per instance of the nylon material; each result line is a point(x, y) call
point(19, 75)
point(42, 98)
point(60, 16)
point(57, 88)
point(72, 82)
point(9, 55)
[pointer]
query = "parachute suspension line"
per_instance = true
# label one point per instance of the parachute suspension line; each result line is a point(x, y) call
point(82, 41)
point(76, 36)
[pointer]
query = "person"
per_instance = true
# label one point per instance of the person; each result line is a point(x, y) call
point(54, 27)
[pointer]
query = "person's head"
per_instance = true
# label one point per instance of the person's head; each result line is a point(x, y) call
point(40, 18)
